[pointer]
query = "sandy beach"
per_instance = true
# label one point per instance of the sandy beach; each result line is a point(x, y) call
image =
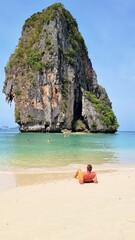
point(41, 207)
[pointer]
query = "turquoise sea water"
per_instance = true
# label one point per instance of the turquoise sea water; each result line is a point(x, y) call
point(32, 150)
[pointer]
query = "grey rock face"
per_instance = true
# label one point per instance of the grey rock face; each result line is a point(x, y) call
point(51, 79)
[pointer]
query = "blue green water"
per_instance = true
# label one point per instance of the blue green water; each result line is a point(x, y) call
point(32, 150)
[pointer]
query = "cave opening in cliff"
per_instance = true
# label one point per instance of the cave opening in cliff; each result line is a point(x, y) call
point(79, 124)
point(77, 104)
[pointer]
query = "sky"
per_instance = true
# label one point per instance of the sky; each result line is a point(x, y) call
point(108, 28)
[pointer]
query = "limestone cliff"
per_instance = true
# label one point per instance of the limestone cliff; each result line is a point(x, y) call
point(51, 79)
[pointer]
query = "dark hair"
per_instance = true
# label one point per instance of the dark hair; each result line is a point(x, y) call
point(89, 168)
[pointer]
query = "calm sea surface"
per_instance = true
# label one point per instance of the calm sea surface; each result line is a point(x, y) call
point(33, 151)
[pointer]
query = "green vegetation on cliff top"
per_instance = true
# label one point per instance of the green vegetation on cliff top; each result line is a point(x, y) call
point(27, 53)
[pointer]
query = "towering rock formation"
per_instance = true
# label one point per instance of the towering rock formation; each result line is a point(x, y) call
point(51, 79)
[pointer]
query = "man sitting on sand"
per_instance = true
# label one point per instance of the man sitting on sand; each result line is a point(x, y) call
point(86, 177)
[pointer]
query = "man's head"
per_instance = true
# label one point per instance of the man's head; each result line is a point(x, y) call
point(89, 168)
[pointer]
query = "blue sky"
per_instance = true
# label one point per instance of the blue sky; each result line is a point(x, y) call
point(108, 28)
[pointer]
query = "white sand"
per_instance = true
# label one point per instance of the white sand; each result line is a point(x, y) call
point(66, 210)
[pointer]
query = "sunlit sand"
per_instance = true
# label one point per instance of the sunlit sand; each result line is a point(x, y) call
point(55, 206)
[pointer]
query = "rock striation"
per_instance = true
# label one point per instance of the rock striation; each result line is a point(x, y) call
point(51, 79)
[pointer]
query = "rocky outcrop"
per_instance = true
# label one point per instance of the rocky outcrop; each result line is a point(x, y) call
point(51, 79)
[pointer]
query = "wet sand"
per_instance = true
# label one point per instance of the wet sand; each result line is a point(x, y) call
point(10, 179)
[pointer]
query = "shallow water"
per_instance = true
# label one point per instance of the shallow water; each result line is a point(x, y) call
point(39, 150)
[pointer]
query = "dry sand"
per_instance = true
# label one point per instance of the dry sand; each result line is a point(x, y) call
point(62, 209)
